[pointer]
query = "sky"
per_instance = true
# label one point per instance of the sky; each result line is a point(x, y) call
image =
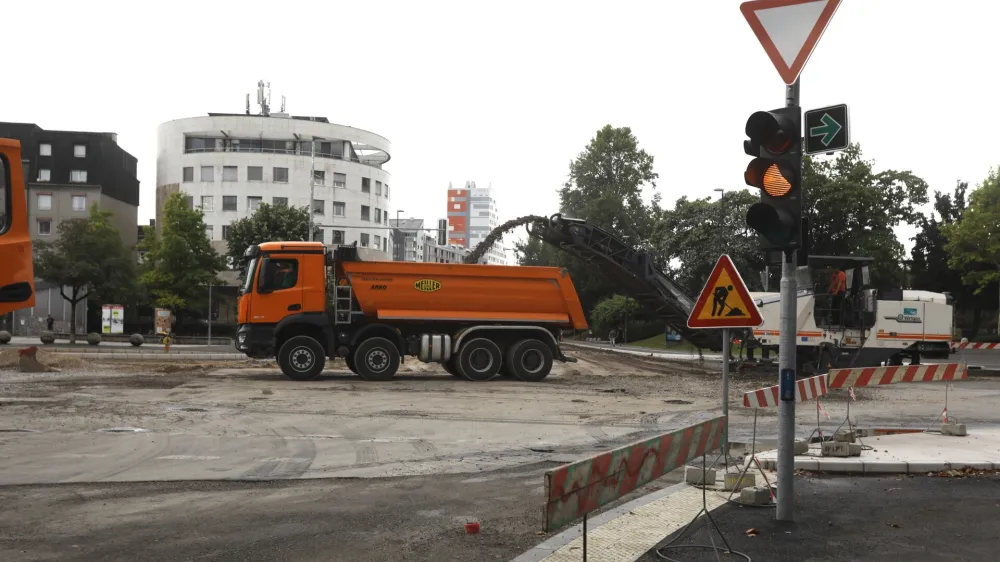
point(508, 93)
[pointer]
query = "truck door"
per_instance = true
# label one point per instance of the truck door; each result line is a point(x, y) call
point(279, 289)
point(17, 277)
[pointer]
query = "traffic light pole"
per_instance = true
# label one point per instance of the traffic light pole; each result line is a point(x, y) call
point(786, 367)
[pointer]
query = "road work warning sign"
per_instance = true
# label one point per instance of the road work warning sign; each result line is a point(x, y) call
point(725, 301)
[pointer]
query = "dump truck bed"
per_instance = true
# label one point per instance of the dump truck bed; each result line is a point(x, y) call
point(404, 291)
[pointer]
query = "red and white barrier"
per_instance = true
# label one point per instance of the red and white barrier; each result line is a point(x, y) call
point(971, 345)
point(807, 389)
point(872, 376)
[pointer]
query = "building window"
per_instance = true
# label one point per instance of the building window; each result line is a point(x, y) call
point(78, 176)
point(378, 215)
point(228, 202)
point(339, 209)
point(364, 239)
point(44, 175)
point(319, 206)
point(385, 244)
point(386, 191)
point(377, 241)
point(255, 173)
point(229, 173)
point(79, 202)
point(366, 185)
point(279, 201)
point(339, 180)
point(45, 202)
point(225, 232)
point(45, 149)
point(378, 188)
point(457, 206)
point(366, 213)
point(317, 234)
point(319, 177)
point(208, 173)
point(209, 230)
point(44, 227)
point(253, 203)
point(279, 175)
point(207, 204)
point(188, 174)
point(338, 236)
point(190, 202)
point(80, 150)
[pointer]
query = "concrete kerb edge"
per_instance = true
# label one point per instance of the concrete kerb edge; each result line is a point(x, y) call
point(844, 466)
point(545, 549)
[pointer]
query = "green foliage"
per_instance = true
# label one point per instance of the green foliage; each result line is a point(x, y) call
point(612, 313)
point(269, 223)
point(696, 232)
point(974, 241)
point(89, 260)
point(853, 210)
point(180, 260)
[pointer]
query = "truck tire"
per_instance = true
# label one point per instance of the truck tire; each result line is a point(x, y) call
point(301, 358)
point(529, 360)
point(451, 369)
point(376, 359)
point(349, 359)
point(479, 360)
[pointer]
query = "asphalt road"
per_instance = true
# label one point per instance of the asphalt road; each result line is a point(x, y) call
point(917, 519)
point(152, 344)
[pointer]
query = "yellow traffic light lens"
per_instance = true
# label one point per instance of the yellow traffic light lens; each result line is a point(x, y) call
point(775, 183)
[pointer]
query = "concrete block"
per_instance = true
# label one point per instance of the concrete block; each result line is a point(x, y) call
point(801, 446)
point(738, 481)
point(692, 475)
point(844, 436)
point(757, 495)
point(884, 467)
point(955, 429)
point(853, 466)
point(855, 449)
point(836, 449)
point(923, 467)
point(864, 432)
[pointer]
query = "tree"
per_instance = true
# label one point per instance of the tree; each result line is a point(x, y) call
point(268, 223)
point(974, 241)
point(853, 210)
point(696, 232)
point(180, 259)
point(613, 313)
point(89, 260)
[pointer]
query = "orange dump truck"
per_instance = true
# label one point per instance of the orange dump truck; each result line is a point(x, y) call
point(302, 304)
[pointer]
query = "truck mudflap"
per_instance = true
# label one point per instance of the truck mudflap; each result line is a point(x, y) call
point(565, 358)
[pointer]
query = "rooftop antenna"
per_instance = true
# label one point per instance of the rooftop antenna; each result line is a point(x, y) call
point(262, 100)
point(282, 104)
point(248, 104)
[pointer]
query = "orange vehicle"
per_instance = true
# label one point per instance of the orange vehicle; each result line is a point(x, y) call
point(17, 278)
point(302, 304)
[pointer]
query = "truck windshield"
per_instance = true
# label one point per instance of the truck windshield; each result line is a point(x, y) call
point(248, 281)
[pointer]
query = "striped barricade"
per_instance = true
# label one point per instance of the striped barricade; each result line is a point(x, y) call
point(575, 489)
point(872, 376)
point(806, 389)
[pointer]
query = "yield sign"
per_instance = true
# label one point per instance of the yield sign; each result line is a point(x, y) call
point(789, 30)
point(725, 301)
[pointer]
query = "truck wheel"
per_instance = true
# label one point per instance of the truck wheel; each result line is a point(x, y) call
point(301, 358)
point(376, 359)
point(451, 369)
point(479, 360)
point(350, 363)
point(529, 360)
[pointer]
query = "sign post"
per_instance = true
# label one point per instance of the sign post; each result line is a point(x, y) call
point(789, 31)
point(725, 303)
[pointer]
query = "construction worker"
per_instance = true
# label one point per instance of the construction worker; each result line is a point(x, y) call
point(612, 335)
point(838, 288)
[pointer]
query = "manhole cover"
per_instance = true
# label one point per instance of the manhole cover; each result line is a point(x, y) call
point(17, 430)
point(123, 430)
point(677, 402)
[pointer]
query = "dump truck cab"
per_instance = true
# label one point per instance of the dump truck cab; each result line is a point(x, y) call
point(17, 278)
point(302, 303)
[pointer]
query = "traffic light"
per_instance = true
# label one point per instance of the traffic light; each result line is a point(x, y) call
point(776, 145)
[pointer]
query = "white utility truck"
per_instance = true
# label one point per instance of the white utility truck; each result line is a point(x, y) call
point(866, 327)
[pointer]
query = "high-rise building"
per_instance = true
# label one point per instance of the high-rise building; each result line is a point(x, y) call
point(472, 215)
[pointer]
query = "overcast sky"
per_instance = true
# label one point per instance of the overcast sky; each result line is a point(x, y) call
point(509, 92)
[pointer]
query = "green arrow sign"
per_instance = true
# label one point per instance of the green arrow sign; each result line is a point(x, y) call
point(828, 130)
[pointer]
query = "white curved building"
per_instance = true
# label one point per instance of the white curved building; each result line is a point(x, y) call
point(228, 164)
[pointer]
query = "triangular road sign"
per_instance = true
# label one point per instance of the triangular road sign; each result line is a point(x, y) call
point(789, 30)
point(725, 301)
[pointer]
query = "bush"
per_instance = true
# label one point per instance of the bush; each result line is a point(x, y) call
point(93, 338)
point(4, 337)
point(47, 337)
point(136, 340)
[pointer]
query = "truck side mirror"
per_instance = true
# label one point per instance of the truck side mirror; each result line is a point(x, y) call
point(263, 276)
